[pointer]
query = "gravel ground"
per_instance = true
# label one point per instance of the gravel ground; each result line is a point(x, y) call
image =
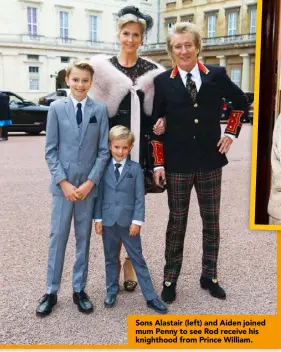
point(247, 260)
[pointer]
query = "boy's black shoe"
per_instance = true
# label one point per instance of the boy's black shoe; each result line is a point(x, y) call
point(213, 286)
point(110, 301)
point(46, 304)
point(157, 305)
point(168, 293)
point(83, 302)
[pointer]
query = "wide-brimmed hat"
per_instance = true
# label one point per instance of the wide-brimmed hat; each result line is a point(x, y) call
point(135, 11)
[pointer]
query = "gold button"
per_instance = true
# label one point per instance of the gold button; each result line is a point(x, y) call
point(195, 105)
point(196, 120)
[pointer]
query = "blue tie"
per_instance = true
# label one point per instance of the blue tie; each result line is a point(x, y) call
point(116, 171)
point(79, 114)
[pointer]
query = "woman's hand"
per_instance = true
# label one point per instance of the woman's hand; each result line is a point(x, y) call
point(160, 126)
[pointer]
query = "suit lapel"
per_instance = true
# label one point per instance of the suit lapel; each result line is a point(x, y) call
point(204, 77)
point(111, 169)
point(125, 170)
point(86, 118)
point(69, 108)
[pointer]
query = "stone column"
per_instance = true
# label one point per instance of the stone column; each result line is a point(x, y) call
point(222, 60)
point(245, 85)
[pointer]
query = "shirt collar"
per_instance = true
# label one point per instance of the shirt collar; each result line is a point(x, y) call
point(195, 72)
point(122, 162)
point(75, 102)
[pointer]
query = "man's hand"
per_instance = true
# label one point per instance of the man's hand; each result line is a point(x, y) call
point(69, 191)
point(84, 189)
point(134, 230)
point(98, 228)
point(224, 144)
point(160, 126)
point(159, 177)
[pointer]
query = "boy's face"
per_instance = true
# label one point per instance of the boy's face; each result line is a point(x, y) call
point(79, 82)
point(120, 148)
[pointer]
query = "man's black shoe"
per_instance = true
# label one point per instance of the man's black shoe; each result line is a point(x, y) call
point(110, 301)
point(168, 293)
point(213, 286)
point(157, 305)
point(46, 304)
point(83, 302)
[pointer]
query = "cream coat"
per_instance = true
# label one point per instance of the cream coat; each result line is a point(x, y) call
point(274, 204)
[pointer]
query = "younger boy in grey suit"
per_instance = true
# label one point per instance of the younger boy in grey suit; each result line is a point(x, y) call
point(76, 153)
point(119, 213)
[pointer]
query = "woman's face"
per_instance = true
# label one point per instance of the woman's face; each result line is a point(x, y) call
point(130, 37)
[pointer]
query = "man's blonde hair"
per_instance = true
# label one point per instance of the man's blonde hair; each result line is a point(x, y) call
point(181, 28)
point(82, 65)
point(121, 132)
point(130, 18)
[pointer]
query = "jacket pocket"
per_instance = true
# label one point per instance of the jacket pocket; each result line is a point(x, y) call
point(105, 206)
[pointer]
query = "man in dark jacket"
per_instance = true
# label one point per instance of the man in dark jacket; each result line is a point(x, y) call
point(192, 150)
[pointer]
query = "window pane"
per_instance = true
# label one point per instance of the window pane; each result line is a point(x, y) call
point(232, 20)
point(236, 76)
point(253, 17)
point(211, 26)
point(93, 28)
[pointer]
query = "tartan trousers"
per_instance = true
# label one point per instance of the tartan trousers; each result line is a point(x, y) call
point(208, 189)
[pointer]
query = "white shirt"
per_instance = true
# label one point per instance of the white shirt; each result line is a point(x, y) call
point(122, 162)
point(75, 102)
point(195, 76)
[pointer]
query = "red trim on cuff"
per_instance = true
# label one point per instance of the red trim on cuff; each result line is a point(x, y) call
point(157, 153)
point(234, 124)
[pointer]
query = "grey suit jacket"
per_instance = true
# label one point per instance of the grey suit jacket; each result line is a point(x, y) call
point(71, 156)
point(121, 201)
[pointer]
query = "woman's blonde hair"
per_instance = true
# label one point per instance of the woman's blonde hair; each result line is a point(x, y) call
point(181, 28)
point(121, 132)
point(130, 18)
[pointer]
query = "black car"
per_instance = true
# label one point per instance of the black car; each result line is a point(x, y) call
point(49, 98)
point(250, 98)
point(26, 115)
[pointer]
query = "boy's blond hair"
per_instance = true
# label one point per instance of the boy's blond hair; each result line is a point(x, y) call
point(82, 65)
point(121, 132)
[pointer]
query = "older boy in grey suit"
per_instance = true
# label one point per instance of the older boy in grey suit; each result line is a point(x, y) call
point(119, 213)
point(76, 153)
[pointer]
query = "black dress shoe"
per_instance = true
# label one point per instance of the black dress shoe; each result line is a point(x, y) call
point(168, 293)
point(46, 304)
point(157, 305)
point(213, 287)
point(110, 301)
point(83, 302)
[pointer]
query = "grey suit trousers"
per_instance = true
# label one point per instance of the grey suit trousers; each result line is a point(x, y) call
point(62, 213)
point(111, 244)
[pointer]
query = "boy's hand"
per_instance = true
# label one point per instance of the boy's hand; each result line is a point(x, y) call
point(134, 230)
point(84, 189)
point(69, 191)
point(98, 228)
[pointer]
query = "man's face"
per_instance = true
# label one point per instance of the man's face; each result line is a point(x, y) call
point(184, 51)
point(79, 82)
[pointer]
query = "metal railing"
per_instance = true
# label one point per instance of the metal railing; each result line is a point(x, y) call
point(41, 40)
point(232, 39)
point(111, 46)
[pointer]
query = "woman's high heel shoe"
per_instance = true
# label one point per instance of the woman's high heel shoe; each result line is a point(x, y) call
point(129, 272)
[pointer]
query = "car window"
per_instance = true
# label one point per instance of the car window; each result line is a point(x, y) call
point(61, 93)
point(13, 100)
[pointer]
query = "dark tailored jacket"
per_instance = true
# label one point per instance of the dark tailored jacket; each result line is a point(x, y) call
point(193, 129)
point(5, 113)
